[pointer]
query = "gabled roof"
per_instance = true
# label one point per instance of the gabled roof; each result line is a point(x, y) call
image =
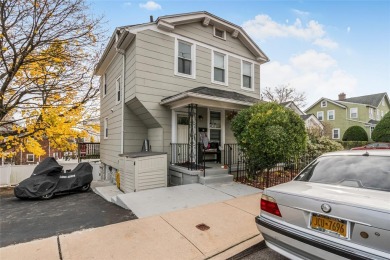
point(371, 100)
point(123, 35)
point(168, 22)
point(328, 100)
point(304, 117)
point(293, 106)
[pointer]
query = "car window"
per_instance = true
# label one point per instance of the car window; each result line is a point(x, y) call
point(384, 145)
point(369, 172)
point(372, 145)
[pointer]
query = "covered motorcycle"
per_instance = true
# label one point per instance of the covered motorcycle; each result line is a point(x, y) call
point(48, 179)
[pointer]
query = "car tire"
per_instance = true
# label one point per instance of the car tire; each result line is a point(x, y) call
point(85, 187)
point(47, 196)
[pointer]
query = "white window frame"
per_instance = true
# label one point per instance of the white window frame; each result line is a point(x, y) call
point(105, 128)
point(224, 33)
point(252, 75)
point(351, 112)
point(328, 114)
point(372, 127)
point(371, 113)
point(324, 103)
point(193, 59)
point(378, 114)
point(338, 130)
point(322, 114)
point(33, 157)
point(225, 62)
point(222, 111)
point(118, 89)
point(104, 85)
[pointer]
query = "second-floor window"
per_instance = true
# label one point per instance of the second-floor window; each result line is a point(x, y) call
point(219, 68)
point(104, 85)
point(371, 113)
point(247, 75)
point(331, 115)
point(118, 90)
point(320, 115)
point(353, 112)
point(105, 128)
point(184, 58)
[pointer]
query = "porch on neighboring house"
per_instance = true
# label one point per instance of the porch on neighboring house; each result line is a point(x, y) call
point(203, 147)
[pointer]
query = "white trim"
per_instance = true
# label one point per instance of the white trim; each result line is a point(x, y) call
point(351, 111)
point(371, 115)
point(196, 95)
point(378, 115)
point(173, 128)
point(328, 100)
point(118, 88)
point(33, 157)
point(224, 33)
point(328, 113)
point(226, 68)
point(193, 59)
point(326, 103)
point(252, 75)
point(322, 113)
point(105, 128)
point(338, 129)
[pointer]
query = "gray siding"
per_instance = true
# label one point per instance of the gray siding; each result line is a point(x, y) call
point(110, 148)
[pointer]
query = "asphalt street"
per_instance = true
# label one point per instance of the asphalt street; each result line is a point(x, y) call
point(258, 252)
point(26, 220)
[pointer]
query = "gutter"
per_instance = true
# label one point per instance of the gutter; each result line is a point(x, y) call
point(186, 95)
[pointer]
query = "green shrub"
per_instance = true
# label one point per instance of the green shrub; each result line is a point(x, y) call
point(381, 132)
point(318, 145)
point(355, 133)
point(268, 133)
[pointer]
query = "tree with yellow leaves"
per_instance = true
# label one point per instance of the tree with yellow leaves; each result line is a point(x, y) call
point(47, 90)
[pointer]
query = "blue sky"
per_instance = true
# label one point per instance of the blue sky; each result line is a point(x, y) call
point(319, 47)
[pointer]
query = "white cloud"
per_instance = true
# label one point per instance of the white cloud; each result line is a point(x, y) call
point(150, 5)
point(263, 27)
point(314, 73)
point(300, 13)
point(326, 43)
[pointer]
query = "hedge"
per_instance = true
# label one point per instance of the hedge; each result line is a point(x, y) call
point(355, 133)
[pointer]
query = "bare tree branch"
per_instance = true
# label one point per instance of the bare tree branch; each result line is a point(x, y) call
point(284, 93)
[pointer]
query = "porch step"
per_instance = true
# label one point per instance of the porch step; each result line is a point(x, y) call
point(216, 178)
point(216, 171)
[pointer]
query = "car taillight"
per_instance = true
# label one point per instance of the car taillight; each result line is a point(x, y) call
point(268, 204)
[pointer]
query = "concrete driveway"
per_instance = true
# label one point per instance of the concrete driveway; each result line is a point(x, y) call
point(26, 220)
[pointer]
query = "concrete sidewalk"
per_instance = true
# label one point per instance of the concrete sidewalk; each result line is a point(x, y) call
point(172, 235)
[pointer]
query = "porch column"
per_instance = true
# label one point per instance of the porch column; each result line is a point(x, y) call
point(192, 135)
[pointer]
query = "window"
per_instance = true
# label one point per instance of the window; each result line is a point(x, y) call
point(371, 113)
point(320, 115)
point(219, 68)
point(118, 90)
point(185, 59)
point(331, 115)
point(247, 75)
point(30, 157)
point(353, 112)
point(378, 115)
point(105, 128)
point(104, 85)
point(371, 129)
point(324, 103)
point(336, 133)
point(219, 33)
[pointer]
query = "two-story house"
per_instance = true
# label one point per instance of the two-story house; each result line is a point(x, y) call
point(364, 111)
point(174, 81)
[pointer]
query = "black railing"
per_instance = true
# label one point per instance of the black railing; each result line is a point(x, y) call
point(180, 156)
point(232, 155)
point(282, 172)
point(88, 151)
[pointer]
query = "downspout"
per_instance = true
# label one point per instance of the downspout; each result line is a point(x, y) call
point(123, 52)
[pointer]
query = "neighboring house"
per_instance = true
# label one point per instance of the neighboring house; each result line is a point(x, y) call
point(311, 121)
point(173, 80)
point(364, 111)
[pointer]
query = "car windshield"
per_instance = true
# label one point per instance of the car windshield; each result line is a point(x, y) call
point(369, 172)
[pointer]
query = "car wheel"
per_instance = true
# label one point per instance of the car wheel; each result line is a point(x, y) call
point(85, 187)
point(47, 196)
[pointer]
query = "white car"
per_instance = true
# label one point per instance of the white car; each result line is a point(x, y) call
point(338, 207)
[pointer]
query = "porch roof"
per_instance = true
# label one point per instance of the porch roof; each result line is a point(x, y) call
point(216, 97)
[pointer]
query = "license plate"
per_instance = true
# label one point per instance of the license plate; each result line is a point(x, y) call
point(328, 224)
